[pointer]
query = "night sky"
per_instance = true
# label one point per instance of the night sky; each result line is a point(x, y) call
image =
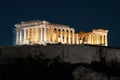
point(83, 15)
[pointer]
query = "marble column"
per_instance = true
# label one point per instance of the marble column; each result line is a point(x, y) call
point(106, 43)
point(44, 34)
point(57, 33)
point(103, 40)
point(69, 40)
point(77, 39)
point(28, 35)
point(98, 39)
point(48, 34)
point(37, 35)
point(24, 36)
point(41, 34)
point(73, 37)
point(32, 35)
point(20, 37)
point(65, 41)
point(61, 39)
point(91, 38)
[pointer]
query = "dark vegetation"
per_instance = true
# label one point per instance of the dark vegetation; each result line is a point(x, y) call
point(38, 67)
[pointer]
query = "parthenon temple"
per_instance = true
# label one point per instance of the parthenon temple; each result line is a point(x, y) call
point(44, 32)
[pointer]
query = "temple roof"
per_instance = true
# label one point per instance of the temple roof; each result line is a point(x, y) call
point(37, 22)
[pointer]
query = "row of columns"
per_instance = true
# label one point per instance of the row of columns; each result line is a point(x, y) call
point(43, 35)
point(99, 39)
point(95, 39)
point(27, 35)
point(65, 36)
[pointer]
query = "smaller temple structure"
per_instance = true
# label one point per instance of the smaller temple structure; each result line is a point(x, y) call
point(43, 32)
point(96, 37)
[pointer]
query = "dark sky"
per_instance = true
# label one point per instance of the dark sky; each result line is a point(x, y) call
point(83, 15)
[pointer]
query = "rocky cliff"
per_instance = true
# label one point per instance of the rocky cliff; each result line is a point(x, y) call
point(68, 53)
point(60, 62)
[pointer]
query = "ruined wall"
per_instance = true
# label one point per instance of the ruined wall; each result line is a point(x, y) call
point(68, 53)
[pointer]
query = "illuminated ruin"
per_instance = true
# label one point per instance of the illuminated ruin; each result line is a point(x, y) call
point(43, 32)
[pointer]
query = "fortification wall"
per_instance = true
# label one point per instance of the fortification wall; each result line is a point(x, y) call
point(68, 53)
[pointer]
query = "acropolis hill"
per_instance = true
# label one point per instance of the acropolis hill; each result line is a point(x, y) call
point(84, 55)
point(68, 53)
point(74, 55)
point(52, 40)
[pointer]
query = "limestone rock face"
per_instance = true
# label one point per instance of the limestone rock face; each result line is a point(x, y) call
point(83, 73)
point(84, 62)
point(68, 53)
